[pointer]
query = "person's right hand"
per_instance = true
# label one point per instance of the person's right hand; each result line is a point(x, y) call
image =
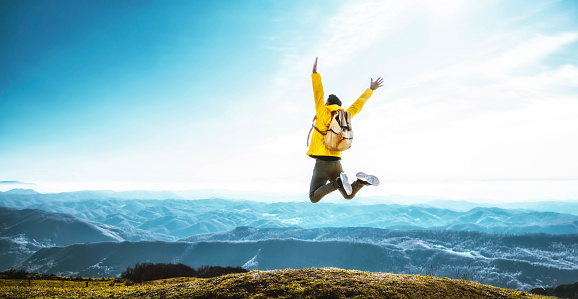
point(315, 66)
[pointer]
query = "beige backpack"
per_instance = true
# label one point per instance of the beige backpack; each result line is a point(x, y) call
point(339, 135)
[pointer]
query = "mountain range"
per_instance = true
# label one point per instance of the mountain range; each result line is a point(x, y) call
point(514, 261)
point(181, 218)
point(566, 207)
point(100, 233)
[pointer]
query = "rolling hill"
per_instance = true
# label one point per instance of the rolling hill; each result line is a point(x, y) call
point(303, 283)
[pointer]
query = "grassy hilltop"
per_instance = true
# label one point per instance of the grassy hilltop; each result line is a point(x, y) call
point(304, 283)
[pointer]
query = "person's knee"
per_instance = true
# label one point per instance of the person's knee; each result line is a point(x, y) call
point(312, 197)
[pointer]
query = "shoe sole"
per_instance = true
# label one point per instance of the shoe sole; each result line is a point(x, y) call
point(370, 179)
point(345, 183)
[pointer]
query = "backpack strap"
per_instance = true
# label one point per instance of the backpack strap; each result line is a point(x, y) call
point(314, 127)
point(345, 120)
point(348, 119)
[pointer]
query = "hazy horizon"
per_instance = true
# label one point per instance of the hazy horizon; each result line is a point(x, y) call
point(269, 197)
point(479, 97)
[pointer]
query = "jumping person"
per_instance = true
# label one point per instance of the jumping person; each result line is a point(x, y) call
point(328, 174)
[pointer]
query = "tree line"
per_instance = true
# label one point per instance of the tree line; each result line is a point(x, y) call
point(149, 271)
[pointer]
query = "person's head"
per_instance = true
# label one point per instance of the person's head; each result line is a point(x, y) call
point(333, 100)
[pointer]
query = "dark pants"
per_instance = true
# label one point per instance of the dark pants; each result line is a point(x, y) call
point(328, 171)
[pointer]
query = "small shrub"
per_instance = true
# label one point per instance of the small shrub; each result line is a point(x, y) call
point(14, 274)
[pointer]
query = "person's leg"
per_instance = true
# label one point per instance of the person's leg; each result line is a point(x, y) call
point(323, 172)
point(355, 187)
point(363, 179)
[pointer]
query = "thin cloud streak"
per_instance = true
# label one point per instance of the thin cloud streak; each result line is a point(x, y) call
point(357, 27)
point(528, 53)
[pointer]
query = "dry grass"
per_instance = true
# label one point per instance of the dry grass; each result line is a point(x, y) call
point(303, 283)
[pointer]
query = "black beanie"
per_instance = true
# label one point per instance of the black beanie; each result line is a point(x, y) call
point(333, 100)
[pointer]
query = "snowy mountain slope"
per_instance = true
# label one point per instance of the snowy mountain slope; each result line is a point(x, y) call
point(63, 229)
point(501, 260)
point(14, 251)
point(23, 232)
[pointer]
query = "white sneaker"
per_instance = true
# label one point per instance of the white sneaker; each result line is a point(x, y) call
point(367, 179)
point(345, 183)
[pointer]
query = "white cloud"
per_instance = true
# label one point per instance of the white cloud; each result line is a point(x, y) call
point(471, 137)
point(527, 53)
point(549, 81)
point(356, 27)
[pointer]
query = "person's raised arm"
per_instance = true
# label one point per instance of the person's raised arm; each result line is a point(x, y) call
point(318, 94)
point(374, 85)
point(357, 105)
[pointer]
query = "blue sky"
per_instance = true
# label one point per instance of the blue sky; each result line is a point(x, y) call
point(478, 101)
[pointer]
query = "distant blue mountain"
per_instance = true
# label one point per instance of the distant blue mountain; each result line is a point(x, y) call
point(21, 200)
point(183, 218)
point(564, 207)
point(515, 261)
point(14, 183)
point(10, 185)
point(21, 192)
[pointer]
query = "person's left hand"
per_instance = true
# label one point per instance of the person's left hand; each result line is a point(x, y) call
point(374, 85)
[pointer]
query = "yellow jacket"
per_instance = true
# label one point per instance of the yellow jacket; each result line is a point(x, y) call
point(317, 147)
